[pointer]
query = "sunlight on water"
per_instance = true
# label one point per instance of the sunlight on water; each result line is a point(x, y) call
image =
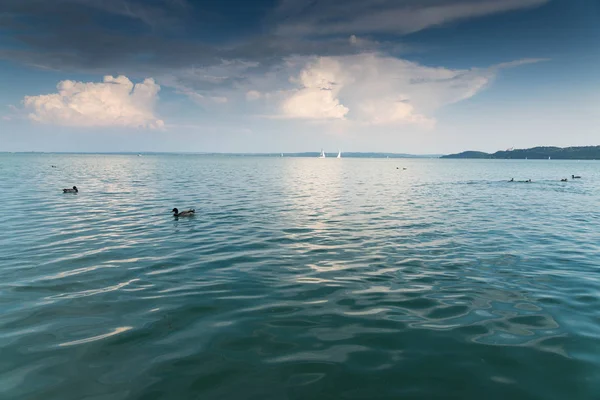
point(298, 278)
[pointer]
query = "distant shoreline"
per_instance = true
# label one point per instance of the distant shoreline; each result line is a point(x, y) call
point(274, 155)
point(534, 153)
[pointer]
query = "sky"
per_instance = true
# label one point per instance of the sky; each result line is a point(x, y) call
point(405, 76)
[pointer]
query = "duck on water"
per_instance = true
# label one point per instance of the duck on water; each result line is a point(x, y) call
point(73, 190)
point(187, 213)
point(513, 180)
point(575, 177)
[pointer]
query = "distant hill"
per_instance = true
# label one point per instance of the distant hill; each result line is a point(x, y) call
point(469, 154)
point(536, 153)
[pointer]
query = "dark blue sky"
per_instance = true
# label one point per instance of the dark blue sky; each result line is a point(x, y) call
point(292, 75)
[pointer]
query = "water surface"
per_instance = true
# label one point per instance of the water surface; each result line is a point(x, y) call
point(298, 278)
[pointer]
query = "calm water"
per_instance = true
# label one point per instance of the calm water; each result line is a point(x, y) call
point(298, 279)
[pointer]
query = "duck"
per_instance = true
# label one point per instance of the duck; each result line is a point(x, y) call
point(512, 179)
point(575, 177)
point(564, 180)
point(73, 190)
point(187, 213)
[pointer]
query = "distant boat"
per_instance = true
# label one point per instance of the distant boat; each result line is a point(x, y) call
point(322, 154)
point(281, 154)
point(339, 154)
point(548, 158)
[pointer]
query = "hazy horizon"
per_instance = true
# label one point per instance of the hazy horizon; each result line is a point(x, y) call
point(273, 153)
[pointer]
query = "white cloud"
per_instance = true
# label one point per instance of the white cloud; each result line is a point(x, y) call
point(391, 111)
point(314, 103)
point(317, 98)
point(357, 90)
point(113, 102)
point(379, 90)
point(368, 88)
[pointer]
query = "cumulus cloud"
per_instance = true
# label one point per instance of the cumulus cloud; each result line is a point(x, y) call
point(115, 101)
point(391, 111)
point(317, 98)
point(380, 90)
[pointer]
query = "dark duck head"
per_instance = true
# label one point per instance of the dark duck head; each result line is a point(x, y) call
point(187, 213)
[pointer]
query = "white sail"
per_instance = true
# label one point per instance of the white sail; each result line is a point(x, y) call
point(322, 154)
point(339, 154)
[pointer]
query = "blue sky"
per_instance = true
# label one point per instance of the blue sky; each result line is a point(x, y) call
point(411, 76)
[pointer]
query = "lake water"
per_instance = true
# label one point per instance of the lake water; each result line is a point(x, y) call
point(298, 278)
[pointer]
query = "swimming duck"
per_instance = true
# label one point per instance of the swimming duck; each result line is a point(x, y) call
point(187, 213)
point(74, 190)
point(575, 177)
point(564, 180)
point(512, 179)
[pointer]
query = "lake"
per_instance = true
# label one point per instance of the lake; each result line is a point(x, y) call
point(298, 278)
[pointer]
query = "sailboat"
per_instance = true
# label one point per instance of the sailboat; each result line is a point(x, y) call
point(322, 154)
point(339, 154)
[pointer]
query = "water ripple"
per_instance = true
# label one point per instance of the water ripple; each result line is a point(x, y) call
point(297, 278)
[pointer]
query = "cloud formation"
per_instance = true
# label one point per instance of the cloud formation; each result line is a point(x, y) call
point(328, 17)
point(143, 38)
point(332, 60)
point(317, 97)
point(375, 89)
point(115, 102)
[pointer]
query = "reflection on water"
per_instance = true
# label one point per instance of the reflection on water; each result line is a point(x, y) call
point(297, 278)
